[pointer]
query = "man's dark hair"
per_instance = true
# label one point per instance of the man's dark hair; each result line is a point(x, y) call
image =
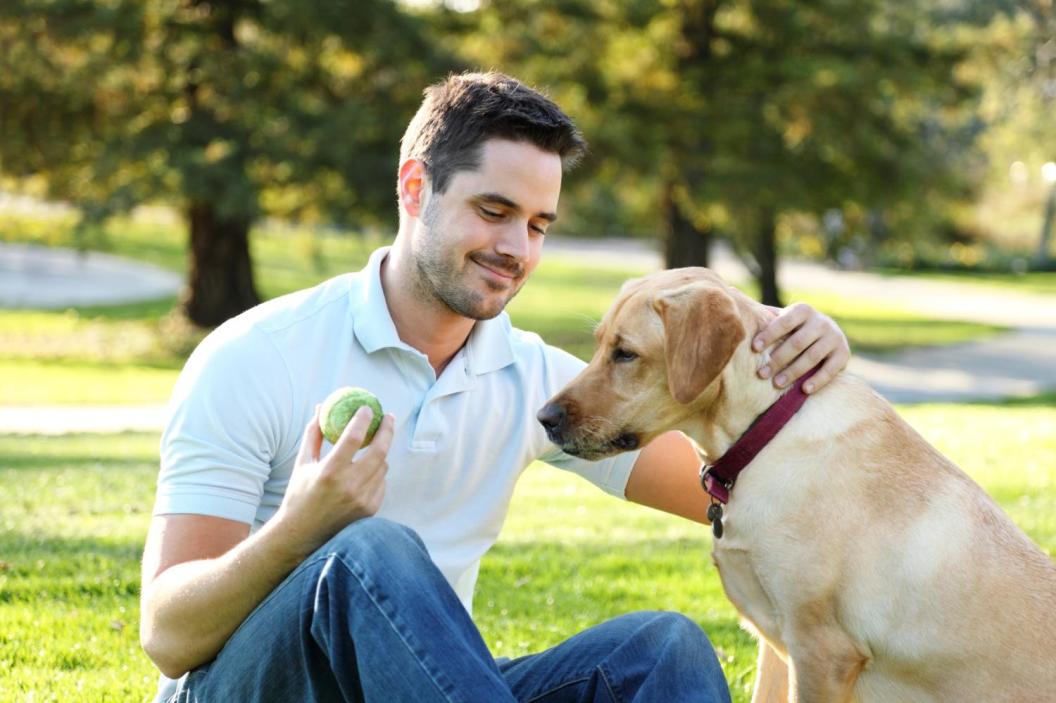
point(462, 112)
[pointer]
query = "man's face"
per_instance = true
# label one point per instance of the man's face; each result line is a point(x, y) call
point(476, 243)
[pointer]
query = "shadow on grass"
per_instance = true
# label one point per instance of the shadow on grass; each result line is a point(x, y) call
point(61, 462)
point(146, 311)
point(1043, 400)
point(39, 567)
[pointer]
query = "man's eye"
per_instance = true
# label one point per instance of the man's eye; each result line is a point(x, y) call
point(491, 214)
point(623, 355)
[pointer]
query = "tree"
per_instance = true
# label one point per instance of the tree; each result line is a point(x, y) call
point(733, 113)
point(229, 110)
point(1017, 61)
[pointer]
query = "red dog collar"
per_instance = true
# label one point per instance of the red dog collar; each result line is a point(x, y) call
point(718, 478)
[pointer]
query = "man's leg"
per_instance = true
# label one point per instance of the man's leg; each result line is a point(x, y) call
point(367, 617)
point(644, 657)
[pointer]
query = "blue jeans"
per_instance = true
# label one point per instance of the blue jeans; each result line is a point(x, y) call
point(369, 617)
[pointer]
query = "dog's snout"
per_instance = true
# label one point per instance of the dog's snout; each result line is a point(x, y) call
point(552, 417)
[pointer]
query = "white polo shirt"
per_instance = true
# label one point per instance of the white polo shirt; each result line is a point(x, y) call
point(241, 403)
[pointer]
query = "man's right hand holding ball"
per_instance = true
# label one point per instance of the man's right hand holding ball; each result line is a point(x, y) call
point(324, 496)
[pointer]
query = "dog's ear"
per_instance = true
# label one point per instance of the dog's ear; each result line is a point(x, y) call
point(701, 331)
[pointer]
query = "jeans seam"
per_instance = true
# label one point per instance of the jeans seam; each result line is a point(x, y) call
point(565, 684)
point(417, 657)
point(605, 676)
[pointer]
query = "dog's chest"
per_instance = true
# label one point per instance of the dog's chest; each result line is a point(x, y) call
point(745, 567)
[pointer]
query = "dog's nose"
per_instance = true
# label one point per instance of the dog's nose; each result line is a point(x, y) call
point(552, 417)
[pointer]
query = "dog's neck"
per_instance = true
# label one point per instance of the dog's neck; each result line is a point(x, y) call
point(732, 407)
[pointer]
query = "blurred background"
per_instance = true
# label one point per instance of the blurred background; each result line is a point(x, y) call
point(880, 134)
point(166, 164)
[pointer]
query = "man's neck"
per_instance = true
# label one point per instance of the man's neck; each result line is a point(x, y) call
point(429, 326)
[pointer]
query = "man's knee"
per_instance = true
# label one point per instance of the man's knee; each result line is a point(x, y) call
point(375, 541)
point(668, 634)
point(672, 648)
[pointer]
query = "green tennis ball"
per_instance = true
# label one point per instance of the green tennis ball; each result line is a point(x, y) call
point(341, 405)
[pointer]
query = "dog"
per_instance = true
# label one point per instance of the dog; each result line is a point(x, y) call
point(872, 565)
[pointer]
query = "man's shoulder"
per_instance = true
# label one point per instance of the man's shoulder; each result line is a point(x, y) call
point(327, 299)
point(273, 321)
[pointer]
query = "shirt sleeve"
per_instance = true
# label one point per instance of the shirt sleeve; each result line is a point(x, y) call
point(610, 474)
point(225, 425)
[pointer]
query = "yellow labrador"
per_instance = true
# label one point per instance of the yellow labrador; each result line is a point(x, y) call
point(870, 563)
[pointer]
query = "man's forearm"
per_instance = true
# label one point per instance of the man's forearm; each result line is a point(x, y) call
point(191, 609)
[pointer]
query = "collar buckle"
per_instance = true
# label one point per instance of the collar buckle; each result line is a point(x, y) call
point(715, 485)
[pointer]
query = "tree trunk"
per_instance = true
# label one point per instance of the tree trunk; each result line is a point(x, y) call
point(684, 244)
point(220, 281)
point(1042, 256)
point(766, 257)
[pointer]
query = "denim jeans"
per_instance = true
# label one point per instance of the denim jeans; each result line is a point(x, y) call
point(369, 617)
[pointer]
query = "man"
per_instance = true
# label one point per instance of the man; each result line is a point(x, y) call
point(276, 572)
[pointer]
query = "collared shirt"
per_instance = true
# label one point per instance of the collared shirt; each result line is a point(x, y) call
point(461, 441)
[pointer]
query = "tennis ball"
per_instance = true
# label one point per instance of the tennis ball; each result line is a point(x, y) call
point(341, 405)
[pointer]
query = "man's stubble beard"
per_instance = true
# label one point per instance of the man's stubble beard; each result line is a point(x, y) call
point(440, 278)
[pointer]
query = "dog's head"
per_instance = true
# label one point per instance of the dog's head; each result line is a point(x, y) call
point(661, 348)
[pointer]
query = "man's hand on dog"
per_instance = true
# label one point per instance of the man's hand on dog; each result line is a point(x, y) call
point(326, 495)
point(809, 339)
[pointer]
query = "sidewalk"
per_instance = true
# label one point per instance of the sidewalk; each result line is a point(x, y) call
point(72, 419)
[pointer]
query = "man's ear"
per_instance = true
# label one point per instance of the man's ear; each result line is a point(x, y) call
point(411, 186)
point(701, 331)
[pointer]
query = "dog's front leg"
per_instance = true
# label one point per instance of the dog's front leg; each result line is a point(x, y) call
point(771, 677)
point(825, 665)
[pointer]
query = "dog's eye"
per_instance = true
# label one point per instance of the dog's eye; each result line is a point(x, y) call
point(622, 355)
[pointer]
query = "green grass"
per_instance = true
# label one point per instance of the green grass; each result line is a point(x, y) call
point(130, 354)
point(1038, 282)
point(76, 510)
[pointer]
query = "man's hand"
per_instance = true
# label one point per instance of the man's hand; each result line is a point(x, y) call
point(325, 496)
point(810, 339)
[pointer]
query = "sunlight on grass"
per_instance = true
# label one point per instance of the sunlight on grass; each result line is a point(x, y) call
point(76, 510)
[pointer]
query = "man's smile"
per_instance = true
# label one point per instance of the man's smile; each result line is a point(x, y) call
point(498, 270)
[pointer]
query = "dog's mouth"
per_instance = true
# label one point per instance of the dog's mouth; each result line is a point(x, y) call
point(592, 451)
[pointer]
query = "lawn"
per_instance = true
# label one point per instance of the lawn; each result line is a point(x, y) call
point(131, 354)
point(1035, 282)
point(76, 510)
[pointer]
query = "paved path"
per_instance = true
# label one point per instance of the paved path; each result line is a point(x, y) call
point(41, 277)
point(1021, 363)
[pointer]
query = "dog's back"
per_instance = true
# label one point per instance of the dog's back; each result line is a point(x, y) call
point(949, 597)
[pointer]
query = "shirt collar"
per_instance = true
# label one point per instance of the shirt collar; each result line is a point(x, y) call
point(488, 348)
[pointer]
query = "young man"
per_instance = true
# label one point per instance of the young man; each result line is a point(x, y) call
point(274, 571)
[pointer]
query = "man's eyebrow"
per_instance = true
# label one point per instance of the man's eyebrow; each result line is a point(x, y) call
point(506, 202)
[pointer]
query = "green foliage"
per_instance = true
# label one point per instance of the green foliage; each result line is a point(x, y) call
point(724, 114)
point(290, 108)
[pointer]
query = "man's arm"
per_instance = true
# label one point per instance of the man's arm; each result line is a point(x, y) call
point(202, 576)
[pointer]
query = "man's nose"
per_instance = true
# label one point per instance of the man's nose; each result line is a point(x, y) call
point(553, 419)
point(514, 241)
